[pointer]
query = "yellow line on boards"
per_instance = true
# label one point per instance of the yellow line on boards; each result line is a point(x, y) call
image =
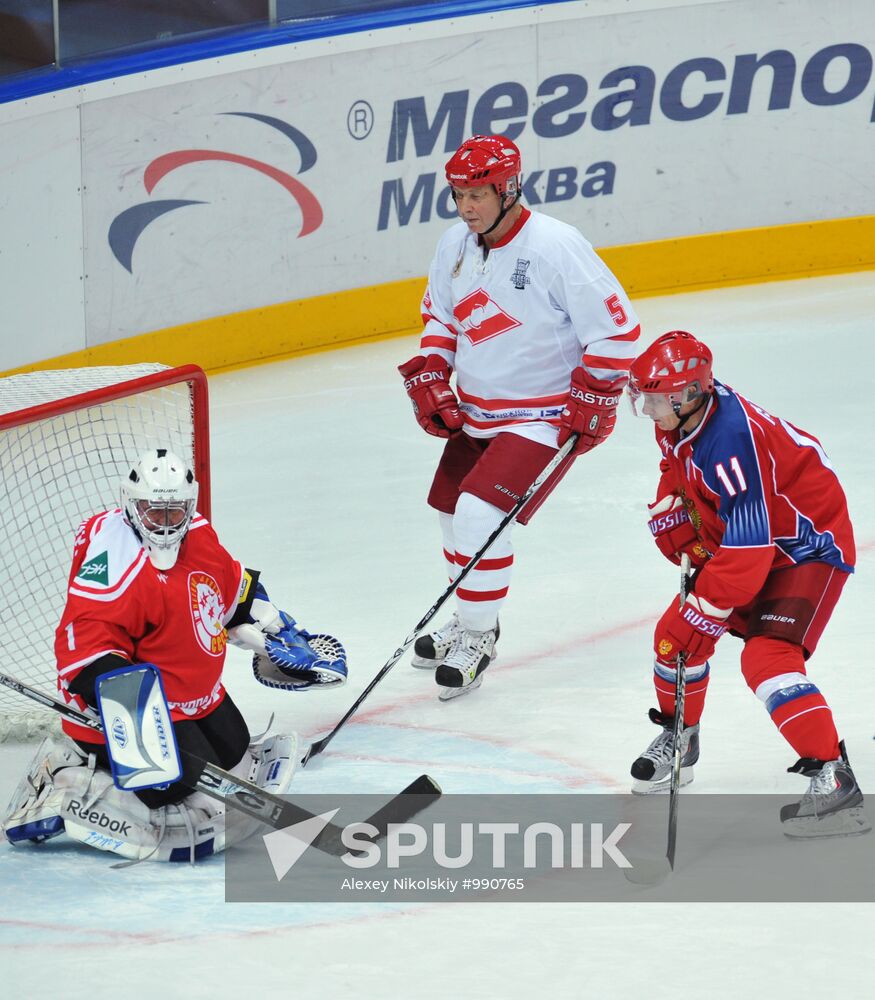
point(362, 315)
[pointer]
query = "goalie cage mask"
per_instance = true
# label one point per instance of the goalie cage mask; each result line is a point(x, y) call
point(158, 497)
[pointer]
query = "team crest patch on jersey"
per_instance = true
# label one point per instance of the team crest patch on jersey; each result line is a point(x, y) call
point(96, 570)
point(482, 319)
point(695, 516)
point(207, 613)
point(665, 647)
point(519, 277)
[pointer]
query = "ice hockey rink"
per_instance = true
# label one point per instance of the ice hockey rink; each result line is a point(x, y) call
point(319, 479)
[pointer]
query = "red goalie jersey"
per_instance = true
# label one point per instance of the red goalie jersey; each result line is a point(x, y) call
point(117, 602)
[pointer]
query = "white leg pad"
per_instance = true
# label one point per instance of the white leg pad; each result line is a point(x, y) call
point(63, 792)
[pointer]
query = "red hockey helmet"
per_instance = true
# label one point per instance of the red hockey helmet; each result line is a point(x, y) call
point(676, 366)
point(486, 159)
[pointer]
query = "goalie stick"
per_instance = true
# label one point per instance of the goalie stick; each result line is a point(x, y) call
point(248, 798)
point(319, 745)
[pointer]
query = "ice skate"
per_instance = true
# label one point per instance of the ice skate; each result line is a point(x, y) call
point(462, 670)
point(651, 772)
point(833, 804)
point(430, 650)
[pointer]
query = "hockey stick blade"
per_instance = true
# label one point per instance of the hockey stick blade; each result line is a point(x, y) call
point(647, 871)
point(418, 795)
point(248, 798)
point(567, 448)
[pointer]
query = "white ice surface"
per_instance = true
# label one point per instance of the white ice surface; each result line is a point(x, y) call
point(319, 480)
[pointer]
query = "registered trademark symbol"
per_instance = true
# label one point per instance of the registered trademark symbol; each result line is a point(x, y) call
point(360, 120)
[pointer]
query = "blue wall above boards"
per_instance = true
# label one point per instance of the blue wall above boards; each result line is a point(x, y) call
point(327, 18)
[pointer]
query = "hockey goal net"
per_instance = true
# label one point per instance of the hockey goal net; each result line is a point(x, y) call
point(66, 440)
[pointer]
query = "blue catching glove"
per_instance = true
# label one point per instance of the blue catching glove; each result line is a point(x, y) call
point(314, 659)
point(286, 656)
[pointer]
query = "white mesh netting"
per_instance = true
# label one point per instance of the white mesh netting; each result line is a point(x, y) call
point(54, 473)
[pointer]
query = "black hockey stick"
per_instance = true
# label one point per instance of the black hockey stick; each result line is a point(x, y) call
point(319, 745)
point(248, 798)
point(652, 871)
point(679, 695)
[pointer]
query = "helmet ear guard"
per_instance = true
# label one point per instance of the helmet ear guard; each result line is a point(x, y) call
point(158, 496)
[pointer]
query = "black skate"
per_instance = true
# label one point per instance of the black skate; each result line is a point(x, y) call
point(430, 650)
point(462, 670)
point(833, 804)
point(652, 770)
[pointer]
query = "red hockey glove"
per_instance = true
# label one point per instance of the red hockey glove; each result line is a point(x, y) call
point(673, 531)
point(590, 411)
point(693, 629)
point(427, 381)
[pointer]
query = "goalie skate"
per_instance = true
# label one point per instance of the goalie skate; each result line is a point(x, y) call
point(462, 670)
point(833, 804)
point(651, 772)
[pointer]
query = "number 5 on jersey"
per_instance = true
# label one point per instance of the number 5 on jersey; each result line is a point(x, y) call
point(615, 308)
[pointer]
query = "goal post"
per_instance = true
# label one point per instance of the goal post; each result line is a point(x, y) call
point(66, 440)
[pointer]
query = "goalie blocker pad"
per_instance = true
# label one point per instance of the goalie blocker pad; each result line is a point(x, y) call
point(140, 739)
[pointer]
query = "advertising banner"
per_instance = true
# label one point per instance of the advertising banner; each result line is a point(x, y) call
point(149, 207)
point(319, 175)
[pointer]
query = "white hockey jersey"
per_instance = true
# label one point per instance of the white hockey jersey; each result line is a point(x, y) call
point(515, 324)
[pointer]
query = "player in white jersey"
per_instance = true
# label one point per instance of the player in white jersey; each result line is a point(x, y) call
point(540, 336)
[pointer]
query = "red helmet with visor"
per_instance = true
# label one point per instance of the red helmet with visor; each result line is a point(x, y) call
point(676, 367)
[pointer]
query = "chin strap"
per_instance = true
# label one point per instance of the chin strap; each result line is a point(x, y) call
point(703, 401)
point(505, 209)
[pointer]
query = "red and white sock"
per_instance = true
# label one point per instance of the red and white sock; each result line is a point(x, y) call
point(484, 589)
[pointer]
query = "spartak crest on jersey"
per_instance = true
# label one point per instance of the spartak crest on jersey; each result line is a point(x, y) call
point(207, 613)
point(481, 318)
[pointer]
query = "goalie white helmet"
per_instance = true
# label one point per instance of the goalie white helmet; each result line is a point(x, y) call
point(158, 497)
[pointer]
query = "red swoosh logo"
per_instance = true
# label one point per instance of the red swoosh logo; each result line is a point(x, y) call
point(311, 210)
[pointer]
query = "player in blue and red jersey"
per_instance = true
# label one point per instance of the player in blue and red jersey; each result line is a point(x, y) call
point(757, 505)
